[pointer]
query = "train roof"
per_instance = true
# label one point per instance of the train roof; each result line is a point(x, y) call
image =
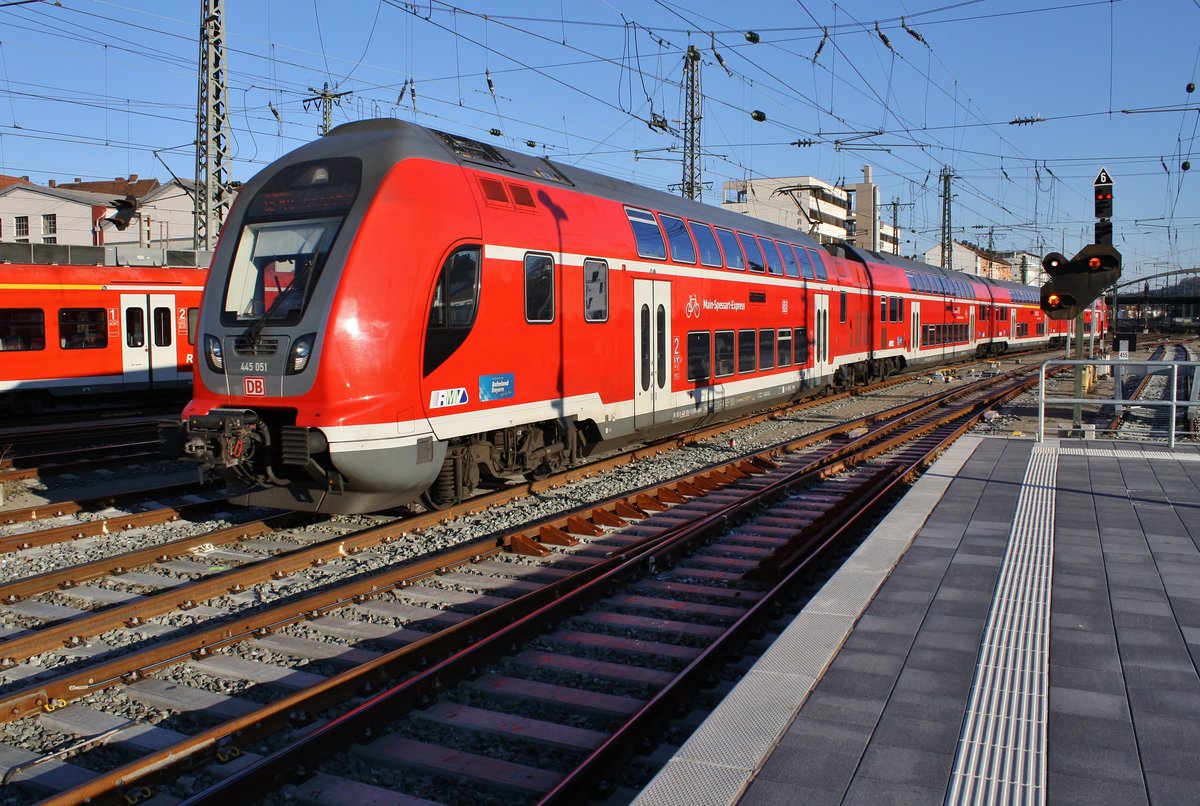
point(395, 139)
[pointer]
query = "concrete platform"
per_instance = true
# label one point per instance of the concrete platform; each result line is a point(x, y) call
point(1023, 628)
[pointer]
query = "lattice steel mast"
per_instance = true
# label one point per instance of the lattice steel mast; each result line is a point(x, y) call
point(212, 186)
point(691, 124)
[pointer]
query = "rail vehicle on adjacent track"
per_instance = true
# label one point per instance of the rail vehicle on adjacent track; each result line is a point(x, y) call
point(399, 313)
point(89, 334)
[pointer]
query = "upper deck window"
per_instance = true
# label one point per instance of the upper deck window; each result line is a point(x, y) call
point(734, 258)
point(710, 253)
point(789, 261)
point(771, 253)
point(682, 248)
point(649, 237)
point(805, 261)
point(819, 264)
point(753, 252)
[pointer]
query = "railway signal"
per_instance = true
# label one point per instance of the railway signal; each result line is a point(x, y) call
point(1103, 193)
point(1074, 284)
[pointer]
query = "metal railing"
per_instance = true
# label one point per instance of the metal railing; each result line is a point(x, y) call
point(1173, 403)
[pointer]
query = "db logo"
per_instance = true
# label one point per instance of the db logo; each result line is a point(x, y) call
point(254, 387)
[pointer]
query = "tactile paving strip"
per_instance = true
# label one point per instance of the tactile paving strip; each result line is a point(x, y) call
point(1001, 754)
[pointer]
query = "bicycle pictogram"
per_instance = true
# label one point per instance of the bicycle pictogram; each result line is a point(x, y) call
point(693, 308)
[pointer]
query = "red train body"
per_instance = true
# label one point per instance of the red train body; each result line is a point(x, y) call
point(89, 332)
point(396, 312)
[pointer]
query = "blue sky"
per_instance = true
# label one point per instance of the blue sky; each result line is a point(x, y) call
point(96, 89)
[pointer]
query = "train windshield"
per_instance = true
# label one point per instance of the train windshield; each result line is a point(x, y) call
point(275, 270)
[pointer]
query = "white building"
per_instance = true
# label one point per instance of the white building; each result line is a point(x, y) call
point(971, 259)
point(812, 205)
point(86, 213)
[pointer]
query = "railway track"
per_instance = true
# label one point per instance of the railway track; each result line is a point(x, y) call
point(1151, 423)
point(132, 700)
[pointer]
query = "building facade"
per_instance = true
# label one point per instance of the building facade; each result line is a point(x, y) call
point(829, 213)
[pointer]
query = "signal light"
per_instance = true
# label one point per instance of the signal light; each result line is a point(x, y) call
point(1076, 282)
point(1054, 301)
point(1104, 201)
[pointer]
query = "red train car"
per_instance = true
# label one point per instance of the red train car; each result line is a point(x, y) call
point(91, 332)
point(396, 312)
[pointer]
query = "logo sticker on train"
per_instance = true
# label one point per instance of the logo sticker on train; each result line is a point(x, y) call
point(442, 398)
point(254, 387)
point(495, 387)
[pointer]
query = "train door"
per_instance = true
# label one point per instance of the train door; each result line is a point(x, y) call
point(974, 336)
point(914, 333)
point(147, 327)
point(653, 353)
point(820, 335)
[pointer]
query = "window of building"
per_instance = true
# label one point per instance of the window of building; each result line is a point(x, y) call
point(21, 229)
point(595, 290)
point(710, 253)
point(747, 349)
point(649, 237)
point(734, 258)
point(682, 248)
point(50, 224)
point(699, 357)
point(82, 328)
point(539, 288)
point(22, 329)
point(766, 349)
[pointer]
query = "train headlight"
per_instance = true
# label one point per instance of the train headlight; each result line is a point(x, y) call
point(301, 350)
point(213, 353)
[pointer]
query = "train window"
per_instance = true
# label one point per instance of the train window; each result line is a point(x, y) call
point(791, 267)
point(899, 309)
point(883, 307)
point(660, 325)
point(734, 258)
point(193, 316)
point(164, 327)
point(753, 252)
point(275, 269)
point(800, 335)
point(771, 253)
point(135, 327)
point(539, 288)
point(644, 330)
point(22, 329)
point(723, 352)
point(766, 349)
point(842, 307)
point(747, 349)
point(818, 261)
point(649, 237)
point(682, 248)
point(82, 328)
point(699, 356)
point(785, 347)
point(710, 253)
point(452, 311)
point(893, 309)
point(805, 261)
point(595, 290)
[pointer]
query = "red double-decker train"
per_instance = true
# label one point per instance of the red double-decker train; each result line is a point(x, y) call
point(396, 312)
